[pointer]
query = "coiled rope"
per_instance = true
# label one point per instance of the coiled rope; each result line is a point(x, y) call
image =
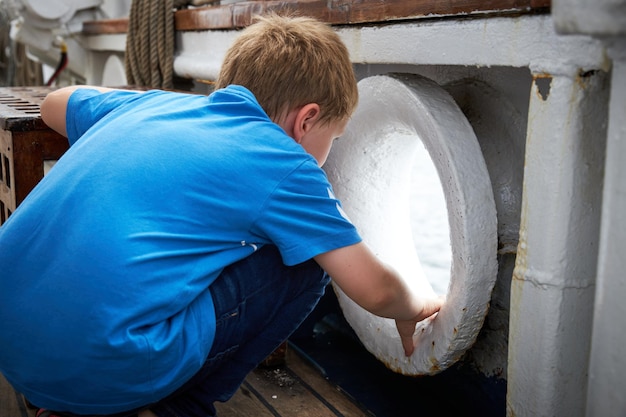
point(149, 60)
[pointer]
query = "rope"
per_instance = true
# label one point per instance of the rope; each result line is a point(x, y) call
point(149, 60)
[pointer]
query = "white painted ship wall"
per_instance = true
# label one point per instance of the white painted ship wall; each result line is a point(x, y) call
point(544, 106)
point(545, 96)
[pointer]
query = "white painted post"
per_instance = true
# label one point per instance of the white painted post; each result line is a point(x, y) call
point(606, 19)
point(552, 290)
point(607, 368)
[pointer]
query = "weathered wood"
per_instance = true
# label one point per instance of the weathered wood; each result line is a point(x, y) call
point(345, 405)
point(19, 108)
point(105, 26)
point(347, 12)
point(25, 143)
point(245, 403)
point(11, 403)
point(296, 389)
point(236, 15)
point(299, 389)
point(30, 150)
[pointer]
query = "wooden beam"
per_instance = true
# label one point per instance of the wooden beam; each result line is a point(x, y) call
point(338, 12)
point(347, 12)
point(105, 26)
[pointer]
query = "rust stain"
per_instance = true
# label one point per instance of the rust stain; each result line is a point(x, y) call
point(435, 368)
point(540, 75)
point(583, 77)
point(394, 366)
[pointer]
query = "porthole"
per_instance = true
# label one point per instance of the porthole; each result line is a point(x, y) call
point(370, 169)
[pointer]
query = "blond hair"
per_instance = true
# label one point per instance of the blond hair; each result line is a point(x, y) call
point(288, 62)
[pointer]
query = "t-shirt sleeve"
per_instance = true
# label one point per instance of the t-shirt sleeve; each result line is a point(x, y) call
point(304, 219)
point(87, 106)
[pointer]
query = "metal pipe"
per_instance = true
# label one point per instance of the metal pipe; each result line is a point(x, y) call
point(554, 277)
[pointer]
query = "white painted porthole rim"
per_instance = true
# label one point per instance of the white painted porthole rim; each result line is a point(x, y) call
point(367, 170)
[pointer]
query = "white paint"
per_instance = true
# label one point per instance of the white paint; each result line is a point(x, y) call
point(607, 365)
point(553, 283)
point(370, 171)
point(113, 72)
point(110, 42)
point(607, 369)
point(524, 41)
point(200, 56)
point(115, 9)
point(43, 23)
point(592, 17)
point(43, 11)
point(498, 116)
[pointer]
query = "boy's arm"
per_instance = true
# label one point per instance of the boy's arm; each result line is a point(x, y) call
point(54, 106)
point(378, 288)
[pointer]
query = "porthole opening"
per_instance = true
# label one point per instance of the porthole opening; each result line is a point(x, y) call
point(429, 221)
point(403, 121)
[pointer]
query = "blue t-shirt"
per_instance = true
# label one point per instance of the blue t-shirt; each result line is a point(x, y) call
point(105, 266)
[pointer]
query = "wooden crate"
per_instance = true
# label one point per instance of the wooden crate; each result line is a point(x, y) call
point(26, 145)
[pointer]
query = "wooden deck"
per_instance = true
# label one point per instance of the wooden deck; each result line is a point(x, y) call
point(293, 389)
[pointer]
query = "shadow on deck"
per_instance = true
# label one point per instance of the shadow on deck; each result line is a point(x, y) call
point(293, 389)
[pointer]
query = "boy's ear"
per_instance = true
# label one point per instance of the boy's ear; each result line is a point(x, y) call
point(306, 117)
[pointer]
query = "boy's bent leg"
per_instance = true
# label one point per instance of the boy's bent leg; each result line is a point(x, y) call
point(259, 302)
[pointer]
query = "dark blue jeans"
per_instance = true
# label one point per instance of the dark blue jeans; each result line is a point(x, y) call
point(259, 302)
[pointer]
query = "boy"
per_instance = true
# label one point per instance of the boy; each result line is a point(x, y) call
point(182, 238)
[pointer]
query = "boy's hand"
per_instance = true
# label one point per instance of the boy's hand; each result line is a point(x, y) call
point(406, 328)
point(378, 288)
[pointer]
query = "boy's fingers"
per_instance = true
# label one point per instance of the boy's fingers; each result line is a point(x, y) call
point(431, 306)
point(406, 328)
point(408, 345)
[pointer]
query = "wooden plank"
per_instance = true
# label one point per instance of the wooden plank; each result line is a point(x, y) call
point(299, 390)
point(7, 176)
point(296, 389)
point(245, 403)
point(346, 12)
point(11, 404)
point(311, 377)
point(26, 139)
point(19, 108)
point(30, 150)
point(105, 26)
point(289, 398)
point(284, 396)
point(236, 15)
